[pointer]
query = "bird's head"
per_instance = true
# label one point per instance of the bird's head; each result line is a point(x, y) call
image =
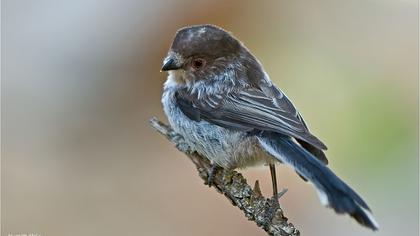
point(198, 52)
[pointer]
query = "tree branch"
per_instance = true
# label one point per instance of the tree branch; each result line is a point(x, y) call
point(265, 212)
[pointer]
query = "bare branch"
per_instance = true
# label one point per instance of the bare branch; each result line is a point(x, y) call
point(265, 212)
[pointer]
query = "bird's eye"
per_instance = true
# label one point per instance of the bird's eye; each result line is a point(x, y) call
point(198, 63)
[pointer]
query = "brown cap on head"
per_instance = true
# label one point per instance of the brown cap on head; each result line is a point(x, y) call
point(208, 40)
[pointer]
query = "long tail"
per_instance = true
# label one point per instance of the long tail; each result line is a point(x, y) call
point(332, 190)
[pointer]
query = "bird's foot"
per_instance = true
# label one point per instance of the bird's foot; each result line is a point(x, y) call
point(281, 193)
point(275, 199)
point(210, 175)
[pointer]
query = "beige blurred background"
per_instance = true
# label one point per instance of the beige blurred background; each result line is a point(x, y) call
point(80, 79)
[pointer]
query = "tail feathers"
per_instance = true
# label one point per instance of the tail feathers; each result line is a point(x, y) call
point(332, 190)
point(318, 153)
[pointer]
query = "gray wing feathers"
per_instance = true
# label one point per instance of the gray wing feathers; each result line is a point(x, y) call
point(248, 109)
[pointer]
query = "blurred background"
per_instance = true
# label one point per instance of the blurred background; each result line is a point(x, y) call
point(80, 80)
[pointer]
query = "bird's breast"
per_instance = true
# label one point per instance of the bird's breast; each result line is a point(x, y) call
point(227, 148)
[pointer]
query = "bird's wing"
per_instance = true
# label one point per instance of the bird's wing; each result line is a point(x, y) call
point(248, 109)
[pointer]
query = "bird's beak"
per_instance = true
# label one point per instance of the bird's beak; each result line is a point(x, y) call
point(170, 64)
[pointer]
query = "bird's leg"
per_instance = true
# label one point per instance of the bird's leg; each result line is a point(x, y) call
point(276, 194)
point(274, 180)
point(210, 176)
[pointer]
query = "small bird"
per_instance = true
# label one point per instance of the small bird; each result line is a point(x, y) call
point(219, 98)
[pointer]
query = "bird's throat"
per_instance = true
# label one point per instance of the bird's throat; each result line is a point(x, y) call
point(176, 77)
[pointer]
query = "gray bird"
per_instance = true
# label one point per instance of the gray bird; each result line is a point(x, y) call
point(220, 99)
